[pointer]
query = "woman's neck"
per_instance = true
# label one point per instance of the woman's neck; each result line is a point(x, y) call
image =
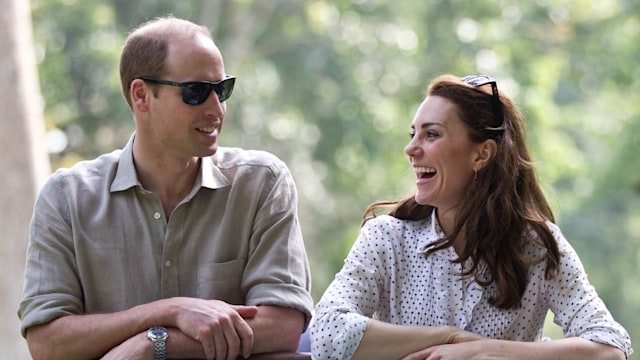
point(447, 221)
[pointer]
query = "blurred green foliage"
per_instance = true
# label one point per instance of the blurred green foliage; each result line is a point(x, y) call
point(331, 87)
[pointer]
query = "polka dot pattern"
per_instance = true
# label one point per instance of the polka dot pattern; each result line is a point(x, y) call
point(388, 277)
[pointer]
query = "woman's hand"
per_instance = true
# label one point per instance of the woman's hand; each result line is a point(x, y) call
point(463, 345)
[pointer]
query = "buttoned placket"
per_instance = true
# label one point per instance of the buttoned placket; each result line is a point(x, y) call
point(171, 243)
point(471, 295)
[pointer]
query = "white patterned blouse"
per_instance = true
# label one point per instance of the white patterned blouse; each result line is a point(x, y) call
point(387, 276)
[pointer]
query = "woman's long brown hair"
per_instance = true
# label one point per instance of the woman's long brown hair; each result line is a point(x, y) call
point(505, 205)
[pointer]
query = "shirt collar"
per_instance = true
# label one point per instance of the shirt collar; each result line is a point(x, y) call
point(212, 177)
point(433, 228)
point(126, 177)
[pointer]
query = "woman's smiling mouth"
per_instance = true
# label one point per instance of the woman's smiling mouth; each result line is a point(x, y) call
point(424, 173)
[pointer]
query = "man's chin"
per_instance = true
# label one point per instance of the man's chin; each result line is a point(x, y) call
point(210, 152)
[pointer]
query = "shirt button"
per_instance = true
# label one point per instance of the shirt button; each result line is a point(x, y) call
point(156, 215)
point(167, 263)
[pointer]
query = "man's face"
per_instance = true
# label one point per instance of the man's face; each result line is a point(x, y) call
point(178, 129)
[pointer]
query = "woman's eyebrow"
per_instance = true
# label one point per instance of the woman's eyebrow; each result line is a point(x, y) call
point(429, 123)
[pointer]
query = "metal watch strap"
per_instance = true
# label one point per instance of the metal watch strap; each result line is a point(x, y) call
point(158, 335)
point(160, 349)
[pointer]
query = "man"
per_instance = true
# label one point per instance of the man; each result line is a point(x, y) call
point(171, 247)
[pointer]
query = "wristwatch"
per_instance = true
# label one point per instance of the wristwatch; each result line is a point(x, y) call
point(158, 335)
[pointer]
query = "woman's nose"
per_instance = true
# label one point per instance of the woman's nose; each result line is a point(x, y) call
point(411, 149)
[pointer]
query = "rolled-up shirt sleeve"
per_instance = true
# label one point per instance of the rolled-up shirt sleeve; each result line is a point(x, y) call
point(51, 288)
point(576, 306)
point(349, 302)
point(277, 271)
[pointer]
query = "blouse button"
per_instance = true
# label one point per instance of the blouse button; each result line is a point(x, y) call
point(167, 263)
point(156, 215)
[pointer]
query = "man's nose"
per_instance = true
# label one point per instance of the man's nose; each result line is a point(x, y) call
point(214, 106)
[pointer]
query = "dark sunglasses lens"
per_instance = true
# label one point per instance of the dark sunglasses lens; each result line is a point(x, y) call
point(478, 80)
point(196, 93)
point(225, 88)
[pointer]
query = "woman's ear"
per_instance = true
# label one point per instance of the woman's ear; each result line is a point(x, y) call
point(486, 151)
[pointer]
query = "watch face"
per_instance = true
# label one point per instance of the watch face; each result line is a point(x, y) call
point(157, 333)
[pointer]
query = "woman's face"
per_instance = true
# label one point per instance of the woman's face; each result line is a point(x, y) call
point(441, 154)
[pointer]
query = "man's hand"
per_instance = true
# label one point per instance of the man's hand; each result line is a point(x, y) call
point(220, 328)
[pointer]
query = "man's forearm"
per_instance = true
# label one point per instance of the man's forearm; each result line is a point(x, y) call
point(91, 336)
point(82, 336)
point(276, 329)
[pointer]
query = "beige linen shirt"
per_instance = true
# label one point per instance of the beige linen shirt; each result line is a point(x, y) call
point(99, 242)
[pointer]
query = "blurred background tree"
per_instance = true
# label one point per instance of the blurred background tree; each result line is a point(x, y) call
point(24, 161)
point(331, 87)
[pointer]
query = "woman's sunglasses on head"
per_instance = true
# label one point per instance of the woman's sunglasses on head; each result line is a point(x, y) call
point(197, 92)
point(481, 80)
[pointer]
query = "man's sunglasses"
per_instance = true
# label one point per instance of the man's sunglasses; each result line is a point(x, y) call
point(197, 92)
point(481, 80)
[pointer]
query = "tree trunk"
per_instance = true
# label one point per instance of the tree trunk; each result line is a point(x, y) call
point(23, 161)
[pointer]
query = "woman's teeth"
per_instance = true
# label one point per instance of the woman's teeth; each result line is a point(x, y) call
point(421, 169)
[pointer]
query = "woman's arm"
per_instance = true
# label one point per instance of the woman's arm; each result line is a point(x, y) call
point(576, 306)
point(562, 349)
point(388, 341)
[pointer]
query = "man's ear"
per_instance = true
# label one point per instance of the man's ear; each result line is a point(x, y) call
point(140, 94)
point(486, 151)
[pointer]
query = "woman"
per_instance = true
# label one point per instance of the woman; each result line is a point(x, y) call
point(468, 267)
